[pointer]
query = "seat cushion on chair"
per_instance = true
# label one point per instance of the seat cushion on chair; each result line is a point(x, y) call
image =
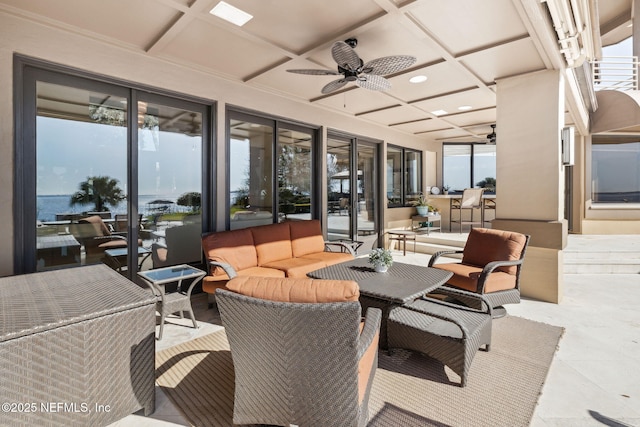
point(466, 277)
point(330, 258)
point(295, 290)
point(211, 283)
point(485, 245)
point(306, 237)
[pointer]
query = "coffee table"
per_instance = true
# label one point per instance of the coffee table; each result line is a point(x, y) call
point(400, 285)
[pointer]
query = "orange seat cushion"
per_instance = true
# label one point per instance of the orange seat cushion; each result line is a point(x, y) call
point(366, 364)
point(234, 247)
point(466, 277)
point(272, 242)
point(485, 245)
point(301, 290)
point(211, 283)
point(330, 258)
point(306, 237)
point(296, 267)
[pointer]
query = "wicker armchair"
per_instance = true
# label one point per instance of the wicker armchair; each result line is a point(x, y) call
point(96, 238)
point(302, 363)
point(491, 265)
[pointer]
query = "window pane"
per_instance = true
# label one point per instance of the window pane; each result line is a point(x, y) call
point(169, 183)
point(484, 167)
point(615, 173)
point(394, 177)
point(366, 190)
point(294, 174)
point(251, 174)
point(81, 158)
point(339, 191)
point(413, 173)
point(456, 169)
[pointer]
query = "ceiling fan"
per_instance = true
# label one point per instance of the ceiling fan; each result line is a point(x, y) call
point(492, 136)
point(353, 69)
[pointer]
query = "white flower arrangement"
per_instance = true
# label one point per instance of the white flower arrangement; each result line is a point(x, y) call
point(380, 256)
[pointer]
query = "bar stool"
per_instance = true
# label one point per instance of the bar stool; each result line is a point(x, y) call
point(489, 205)
point(471, 200)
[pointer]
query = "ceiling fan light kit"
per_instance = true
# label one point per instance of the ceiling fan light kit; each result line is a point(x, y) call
point(353, 69)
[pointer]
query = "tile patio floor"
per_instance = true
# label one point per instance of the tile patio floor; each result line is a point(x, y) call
point(594, 379)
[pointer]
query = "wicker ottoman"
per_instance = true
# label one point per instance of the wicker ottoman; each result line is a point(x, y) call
point(447, 332)
point(77, 348)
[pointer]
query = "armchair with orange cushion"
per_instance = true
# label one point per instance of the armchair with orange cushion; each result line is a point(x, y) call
point(301, 353)
point(491, 265)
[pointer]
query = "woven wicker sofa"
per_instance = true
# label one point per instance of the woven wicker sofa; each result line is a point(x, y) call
point(301, 353)
point(288, 249)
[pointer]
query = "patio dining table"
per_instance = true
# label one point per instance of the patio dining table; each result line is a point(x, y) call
point(400, 285)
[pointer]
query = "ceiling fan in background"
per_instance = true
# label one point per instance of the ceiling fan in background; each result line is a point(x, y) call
point(353, 69)
point(492, 136)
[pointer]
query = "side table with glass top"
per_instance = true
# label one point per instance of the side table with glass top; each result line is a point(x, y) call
point(179, 301)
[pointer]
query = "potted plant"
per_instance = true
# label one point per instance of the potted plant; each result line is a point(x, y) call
point(445, 189)
point(381, 259)
point(422, 205)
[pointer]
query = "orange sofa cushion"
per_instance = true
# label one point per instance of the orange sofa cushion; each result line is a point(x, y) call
point(296, 267)
point(272, 242)
point(306, 237)
point(301, 290)
point(330, 258)
point(232, 247)
point(485, 245)
point(211, 283)
point(466, 277)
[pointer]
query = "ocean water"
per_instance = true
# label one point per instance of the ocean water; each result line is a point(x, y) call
point(49, 206)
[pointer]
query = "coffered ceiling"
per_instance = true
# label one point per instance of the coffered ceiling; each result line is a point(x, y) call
point(461, 46)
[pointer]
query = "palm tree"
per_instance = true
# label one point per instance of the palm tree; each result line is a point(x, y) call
point(99, 190)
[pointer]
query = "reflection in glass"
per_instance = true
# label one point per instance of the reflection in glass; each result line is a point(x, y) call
point(294, 175)
point(366, 190)
point(251, 174)
point(169, 183)
point(339, 189)
point(413, 173)
point(394, 176)
point(81, 171)
point(615, 176)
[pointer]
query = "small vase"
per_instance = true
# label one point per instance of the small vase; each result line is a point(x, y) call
point(422, 210)
point(381, 268)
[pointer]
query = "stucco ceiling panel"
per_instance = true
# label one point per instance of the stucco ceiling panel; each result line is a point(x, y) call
point(357, 101)
point(136, 23)
point(394, 115)
point(499, 62)
point(219, 50)
point(478, 27)
point(443, 77)
point(475, 98)
point(299, 25)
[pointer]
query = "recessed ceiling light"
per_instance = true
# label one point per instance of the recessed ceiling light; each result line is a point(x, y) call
point(418, 79)
point(231, 14)
point(439, 112)
point(465, 108)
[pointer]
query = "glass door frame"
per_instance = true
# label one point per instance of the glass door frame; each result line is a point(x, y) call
point(27, 72)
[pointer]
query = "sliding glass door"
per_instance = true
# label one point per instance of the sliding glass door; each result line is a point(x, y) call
point(104, 171)
point(352, 185)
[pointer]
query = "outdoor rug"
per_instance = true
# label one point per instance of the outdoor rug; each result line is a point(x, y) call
point(409, 390)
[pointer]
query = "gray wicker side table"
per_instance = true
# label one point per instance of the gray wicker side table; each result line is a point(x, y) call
point(77, 348)
point(447, 332)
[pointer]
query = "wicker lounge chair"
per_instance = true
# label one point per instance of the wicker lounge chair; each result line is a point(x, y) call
point(302, 363)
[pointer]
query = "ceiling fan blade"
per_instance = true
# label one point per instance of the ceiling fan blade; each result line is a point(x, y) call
point(345, 56)
point(388, 64)
point(373, 82)
point(315, 72)
point(334, 85)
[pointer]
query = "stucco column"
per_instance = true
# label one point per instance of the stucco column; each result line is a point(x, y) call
point(530, 175)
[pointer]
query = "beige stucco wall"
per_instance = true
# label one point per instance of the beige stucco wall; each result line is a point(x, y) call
point(18, 35)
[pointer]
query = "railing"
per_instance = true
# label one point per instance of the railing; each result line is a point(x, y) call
point(615, 73)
